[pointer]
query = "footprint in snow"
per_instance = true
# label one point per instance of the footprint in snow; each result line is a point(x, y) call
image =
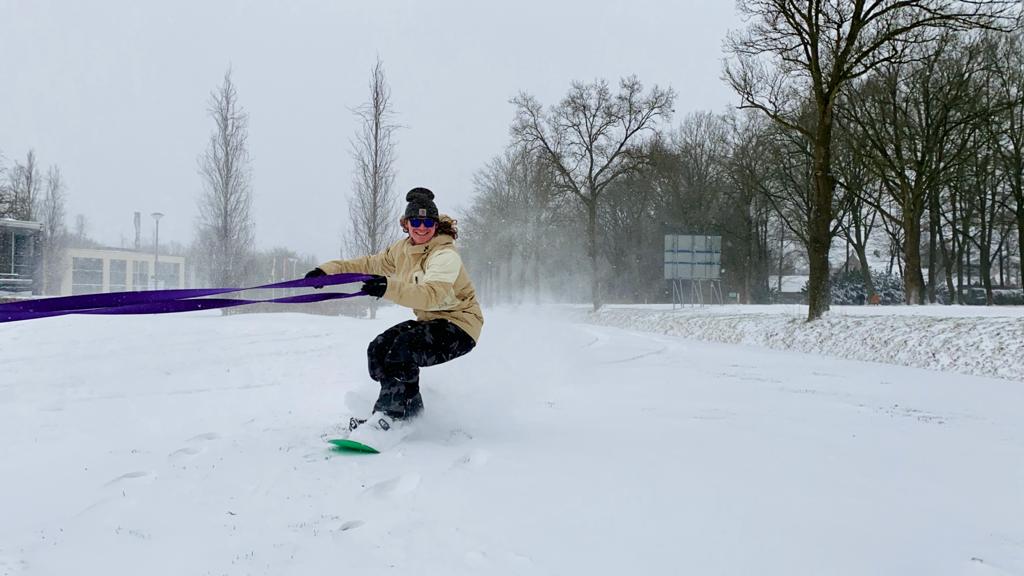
point(350, 525)
point(326, 524)
point(475, 557)
point(457, 436)
point(184, 453)
point(473, 460)
point(191, 451)
point(400, 486)
point(521, 560)
point(137, 475)
point(981, 567)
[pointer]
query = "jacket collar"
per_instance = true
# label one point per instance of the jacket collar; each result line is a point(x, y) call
point(436, 242)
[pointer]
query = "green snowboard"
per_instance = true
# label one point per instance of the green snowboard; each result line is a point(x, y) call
point(346, 445)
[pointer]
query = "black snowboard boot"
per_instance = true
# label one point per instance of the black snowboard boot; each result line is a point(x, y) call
point(413, 406)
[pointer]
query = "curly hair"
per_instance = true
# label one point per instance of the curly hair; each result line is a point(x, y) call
point(449, 226)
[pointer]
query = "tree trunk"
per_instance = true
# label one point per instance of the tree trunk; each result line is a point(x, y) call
point(748, 276)
point(985, 262)
point(592, 253)
point(934, 224)
point(748, 270)
point(862, 257)
point(1020, 244)
point(763, 294)
point(782, 258)
point(820, 226)
point(967, 246)
point(957, 239)
point(1000, 259)
point(960, 276)
point(913, 280)
point(947, 266)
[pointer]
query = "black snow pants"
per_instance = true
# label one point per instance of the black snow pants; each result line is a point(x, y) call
point(397, 355)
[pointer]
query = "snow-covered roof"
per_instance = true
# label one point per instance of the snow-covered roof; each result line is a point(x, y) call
point(25, 224)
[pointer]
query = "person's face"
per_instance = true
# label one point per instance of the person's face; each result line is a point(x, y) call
point(421, 230)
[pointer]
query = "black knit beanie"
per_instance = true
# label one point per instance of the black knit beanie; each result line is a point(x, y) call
point(421, 204)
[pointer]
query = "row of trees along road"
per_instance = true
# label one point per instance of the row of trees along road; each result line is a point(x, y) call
point(798, 59)
point(856, 117)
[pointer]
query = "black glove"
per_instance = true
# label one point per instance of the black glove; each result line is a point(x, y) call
point(316, 273)
point(376, 286)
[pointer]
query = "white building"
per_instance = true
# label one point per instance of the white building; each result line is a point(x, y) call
point(90, 270)
point(19, 254)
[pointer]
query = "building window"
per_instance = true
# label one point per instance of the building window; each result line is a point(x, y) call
point(118, 275)
point(140, 275)
point(86, 275)
point(23, 252)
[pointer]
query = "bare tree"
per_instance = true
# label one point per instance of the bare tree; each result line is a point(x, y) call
point(747, 216)
point(81, 232)
point(861, 188)
point(518, 200)
point(916, 122)
point(515, 226)
point(959, 210)
point(55, 237)
point(225, 221)
point(497, 202)
point(795, 50)
point(22, 190)
point(1010, 86)
point(592, 138)
point(702, 143)
point(373, 209)
point(789, 185)
point(542, 213)
point(986, 185)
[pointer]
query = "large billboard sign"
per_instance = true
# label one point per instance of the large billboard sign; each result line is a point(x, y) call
point(692, 257)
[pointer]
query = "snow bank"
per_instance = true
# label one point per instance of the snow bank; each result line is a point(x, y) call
point(936, 338)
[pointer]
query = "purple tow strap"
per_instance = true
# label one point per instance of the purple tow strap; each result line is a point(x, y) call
point(167, 301)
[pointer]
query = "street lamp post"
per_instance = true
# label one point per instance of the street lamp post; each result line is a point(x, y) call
point(156, 251)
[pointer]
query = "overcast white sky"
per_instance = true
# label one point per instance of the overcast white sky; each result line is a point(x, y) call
point(116, 93)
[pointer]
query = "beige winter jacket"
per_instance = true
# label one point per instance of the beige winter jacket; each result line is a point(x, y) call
point(429, 278)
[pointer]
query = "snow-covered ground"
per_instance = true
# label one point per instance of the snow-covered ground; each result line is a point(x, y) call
point(191, 444)
point(979, 340)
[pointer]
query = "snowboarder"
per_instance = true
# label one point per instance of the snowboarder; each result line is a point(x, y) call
point(425, 273)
